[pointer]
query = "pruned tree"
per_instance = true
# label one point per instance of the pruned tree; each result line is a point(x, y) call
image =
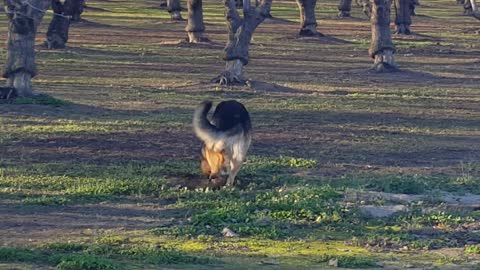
point(23, 19)
point(74, 8)
point(57, 34)
point(402, 17)
point(195, 26)
point(174, 8)
point(344, 8)
point(381, 48)
point(240, 32)
point(308, 21)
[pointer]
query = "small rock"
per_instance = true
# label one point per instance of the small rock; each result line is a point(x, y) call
point(381, 211)
point(333, 262)
point(229, 233)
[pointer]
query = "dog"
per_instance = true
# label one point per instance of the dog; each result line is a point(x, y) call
point(226, 139)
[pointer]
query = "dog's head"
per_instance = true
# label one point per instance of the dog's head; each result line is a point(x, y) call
point(213, 165)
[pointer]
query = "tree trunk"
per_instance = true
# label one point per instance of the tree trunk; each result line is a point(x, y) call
point(174, 8)
point(308, 21)
point(23, 21)
point(366, 8)
point(381, 47)
point(57, 34)
point(475, 11)
point(195, 27)
point(402, 17)
point(74, 8)
point(240, 31)
point(467, 7)
point(344, 8)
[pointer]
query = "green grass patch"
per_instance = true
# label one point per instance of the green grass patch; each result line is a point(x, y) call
point(86, 262)
point(47, 200)
point(475, 249)
point(9, 254)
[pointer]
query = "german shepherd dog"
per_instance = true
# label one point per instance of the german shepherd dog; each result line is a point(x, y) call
point(226, 139)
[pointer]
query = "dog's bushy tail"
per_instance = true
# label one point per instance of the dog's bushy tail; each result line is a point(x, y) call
point(204, 130)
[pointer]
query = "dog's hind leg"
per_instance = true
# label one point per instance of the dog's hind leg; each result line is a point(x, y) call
point(234, 168)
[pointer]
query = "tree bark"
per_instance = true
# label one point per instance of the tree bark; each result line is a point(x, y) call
point(23, 20)
point(344, 8)
point(308, 21)
point(381, 47)
point(174, 8)
point(475, 11)
point(57, 34)
point(240, 31)
point(467, 7)
point(366, 8)
point(195, 27)
point(74, 8)
point(402, 17)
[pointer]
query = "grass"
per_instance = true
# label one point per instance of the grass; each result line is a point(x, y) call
point(93, 171)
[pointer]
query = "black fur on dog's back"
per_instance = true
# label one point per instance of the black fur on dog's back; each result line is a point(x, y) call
point(230, 118)
point(231, 113)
